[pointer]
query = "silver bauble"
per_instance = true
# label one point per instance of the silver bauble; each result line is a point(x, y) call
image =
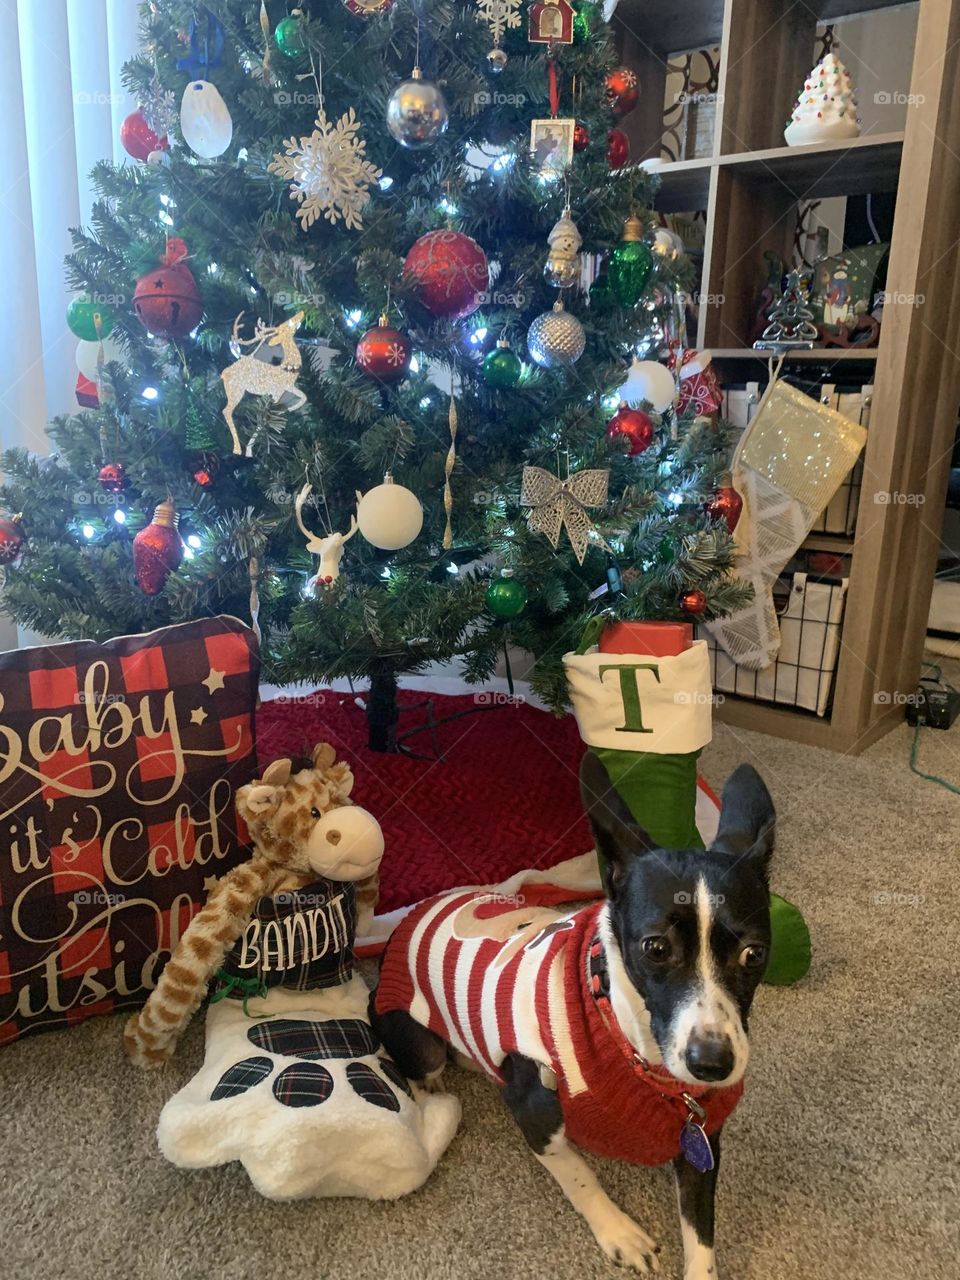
point(496, 61)
point(556, 339)
point(417, 112)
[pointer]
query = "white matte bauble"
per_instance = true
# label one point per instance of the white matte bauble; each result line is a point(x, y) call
point(650, 381)
point(417, 112)
point(389, 516)
point(88, 355)
point(346, 843)
point(205, 122)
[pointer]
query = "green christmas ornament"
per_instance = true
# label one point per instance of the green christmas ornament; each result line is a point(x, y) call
point(289, 38)
point(584, 21)
point(667, 550)
point(502, 366)
point(601, 294)
point(630, 264)
point(505, 596)
point(84, 317)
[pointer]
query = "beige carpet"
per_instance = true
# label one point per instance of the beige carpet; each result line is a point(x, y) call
point(841, 1164)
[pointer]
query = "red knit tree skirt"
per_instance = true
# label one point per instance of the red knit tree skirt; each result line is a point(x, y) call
point(504, 798)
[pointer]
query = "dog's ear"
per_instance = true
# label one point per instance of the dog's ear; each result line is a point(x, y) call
point(747, 817)
point(618, 837)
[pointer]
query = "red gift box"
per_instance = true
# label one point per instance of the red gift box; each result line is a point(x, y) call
point(652, 639)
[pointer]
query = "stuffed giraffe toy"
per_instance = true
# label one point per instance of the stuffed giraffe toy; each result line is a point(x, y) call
point(294, 1082)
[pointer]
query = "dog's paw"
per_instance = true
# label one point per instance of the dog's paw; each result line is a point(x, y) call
point(625, 1243)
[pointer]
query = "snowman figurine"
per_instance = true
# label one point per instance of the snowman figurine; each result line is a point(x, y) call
point(562, 267)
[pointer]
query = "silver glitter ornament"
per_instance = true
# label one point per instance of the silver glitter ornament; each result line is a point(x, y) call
point(417, 112)
point(496, 61)
point(556, 339)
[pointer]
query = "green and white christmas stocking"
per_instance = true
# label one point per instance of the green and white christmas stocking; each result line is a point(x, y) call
point(648, 719)
point(788, 465)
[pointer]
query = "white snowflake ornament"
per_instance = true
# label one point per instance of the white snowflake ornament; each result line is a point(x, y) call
point(328, 172)
point(499, 15)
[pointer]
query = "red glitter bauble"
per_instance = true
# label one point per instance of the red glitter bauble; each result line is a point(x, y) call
point(623, 90)
point(581, 137)
point(693, 602)
point(618, 148)
point(157, 550)
point(113, 477)
point(450, 273)
point(632, 425)
point(138, 139)
point(726, 502)
point(11, 539)
point(167, 301)
point(384, 352)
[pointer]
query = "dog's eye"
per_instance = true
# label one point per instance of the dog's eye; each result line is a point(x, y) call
point(315, 812)
point(656, 948)
point(753, 956)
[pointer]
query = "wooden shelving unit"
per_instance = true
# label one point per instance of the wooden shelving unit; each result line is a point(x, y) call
point(749, 188)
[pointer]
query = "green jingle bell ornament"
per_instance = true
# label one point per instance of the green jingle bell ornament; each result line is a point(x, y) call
point(289, 37)
point(630, 264)
point(502, 366)
point(505, 597)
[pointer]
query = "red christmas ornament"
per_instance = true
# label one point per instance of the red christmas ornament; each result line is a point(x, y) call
point(205, 468)
point(138, 139)
point(450, 273)
point(167, 301)
point(623, 90)
point(88, 396)
point(384, 352)
point(700, 391)
point(157, 550)
point(618, 148)
point(11, 538)
point(113, 477)
point(581, 137)
point(633, 425)
point(693, 602)
point(726, 503)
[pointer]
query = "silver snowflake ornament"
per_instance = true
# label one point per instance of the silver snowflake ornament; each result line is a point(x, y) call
point(499, 15)
point(328, 172)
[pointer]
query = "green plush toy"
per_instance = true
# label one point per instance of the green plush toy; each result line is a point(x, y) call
point(648, 715)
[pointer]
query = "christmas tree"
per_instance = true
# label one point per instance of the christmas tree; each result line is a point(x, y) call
point(351, 226)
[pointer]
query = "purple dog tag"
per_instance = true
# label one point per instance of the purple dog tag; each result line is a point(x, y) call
point(695, 1146)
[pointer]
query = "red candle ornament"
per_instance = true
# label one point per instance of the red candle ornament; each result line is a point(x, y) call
point(157, 550)
point(618, 148)
point(167, 301)
point(384, 352)
point(632, 425)
point(449, 272)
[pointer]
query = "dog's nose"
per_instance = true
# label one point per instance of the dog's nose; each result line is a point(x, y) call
point(709, 1057)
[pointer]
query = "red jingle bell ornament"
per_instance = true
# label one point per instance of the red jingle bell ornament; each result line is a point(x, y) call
point(11, 538)
point(157, 550)
point(138, 139)
point(623, 90)
point(726, 503)
point(693, 602)
point(167, 301)
point(449, 272)
point(581, 137)
point(632, 425)
point(384, 352)
point(618, 148)
point(113, 477)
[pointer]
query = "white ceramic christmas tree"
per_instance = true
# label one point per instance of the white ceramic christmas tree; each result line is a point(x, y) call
point(826, 111)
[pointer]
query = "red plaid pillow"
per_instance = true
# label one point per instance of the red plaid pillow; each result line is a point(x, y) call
point(118, 767)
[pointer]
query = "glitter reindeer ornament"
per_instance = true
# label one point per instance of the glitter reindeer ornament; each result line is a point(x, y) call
point(252, 374)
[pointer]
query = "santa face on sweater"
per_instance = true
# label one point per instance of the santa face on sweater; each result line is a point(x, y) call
point(689, 937)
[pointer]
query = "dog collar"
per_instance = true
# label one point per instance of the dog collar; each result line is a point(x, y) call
point(694, 1142)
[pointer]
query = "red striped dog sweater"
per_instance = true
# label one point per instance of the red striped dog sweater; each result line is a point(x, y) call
point(493, 977)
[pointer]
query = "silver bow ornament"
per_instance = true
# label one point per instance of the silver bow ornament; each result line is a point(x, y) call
point(561, 504)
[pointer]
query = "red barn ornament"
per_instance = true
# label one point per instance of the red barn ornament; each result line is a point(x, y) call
point(167, 301)
point(551, 22)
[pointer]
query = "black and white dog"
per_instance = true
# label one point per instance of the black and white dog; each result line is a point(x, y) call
point(665, 969)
